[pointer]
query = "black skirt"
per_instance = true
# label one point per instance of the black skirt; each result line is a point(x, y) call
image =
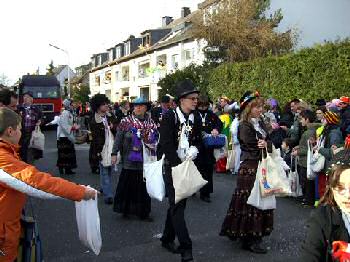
point(131, 197)
point(66, 154)
point(243, 220)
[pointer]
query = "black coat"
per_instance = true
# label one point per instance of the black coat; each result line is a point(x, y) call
point(345, 121)
point(325, 226)
point(169, 131)
point(98, 138)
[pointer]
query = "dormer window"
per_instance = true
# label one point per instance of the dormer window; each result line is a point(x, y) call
point(127, 48)
point(146, 40)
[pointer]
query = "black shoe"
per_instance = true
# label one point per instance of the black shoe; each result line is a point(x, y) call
point(186, 255)
point(171, 247)
point(205, 199)
point(255, 248)
point(109, 201)
point(70, 172)
point(146, 219)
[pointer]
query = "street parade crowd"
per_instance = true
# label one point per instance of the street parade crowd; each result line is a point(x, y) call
point(306, 147)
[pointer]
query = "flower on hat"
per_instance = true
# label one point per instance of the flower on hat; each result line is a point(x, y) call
point(345, 99)
point(248, 98)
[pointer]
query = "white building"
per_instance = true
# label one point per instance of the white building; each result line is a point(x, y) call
point(134, 67)
point(61, 73)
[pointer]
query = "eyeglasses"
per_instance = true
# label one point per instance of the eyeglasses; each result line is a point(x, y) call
point(192, 98)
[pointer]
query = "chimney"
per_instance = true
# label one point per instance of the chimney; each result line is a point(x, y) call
point(185, 11)
point(166, 20)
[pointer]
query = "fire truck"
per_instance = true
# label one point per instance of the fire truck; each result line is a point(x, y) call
point(46, 92)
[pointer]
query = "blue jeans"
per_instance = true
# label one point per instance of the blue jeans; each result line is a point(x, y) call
point(106, 181)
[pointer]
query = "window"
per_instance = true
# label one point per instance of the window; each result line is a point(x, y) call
point(189, 54)
point(175, 61)
point(116, 75)
point(127, 48)
point(97, 80)
point(118, 53)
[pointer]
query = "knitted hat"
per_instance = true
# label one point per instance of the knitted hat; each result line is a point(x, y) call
point(247, 97)
point(332, 118)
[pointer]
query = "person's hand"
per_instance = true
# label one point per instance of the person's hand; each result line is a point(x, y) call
point(262, 143)
point(215, 132)
point(90, 193)
point(38, 123)
point(114, 159)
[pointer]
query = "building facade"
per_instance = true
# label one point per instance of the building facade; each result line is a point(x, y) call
point(134, 67)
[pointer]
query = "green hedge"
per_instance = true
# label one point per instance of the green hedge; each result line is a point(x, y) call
point(319, 72)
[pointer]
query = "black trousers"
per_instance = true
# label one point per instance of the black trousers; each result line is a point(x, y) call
point(26, 153)
point(308, 186)
point(175, 224)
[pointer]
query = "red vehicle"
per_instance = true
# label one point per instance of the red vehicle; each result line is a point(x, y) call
point(46, 92)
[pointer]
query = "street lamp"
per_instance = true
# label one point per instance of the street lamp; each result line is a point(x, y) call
point(66, 52)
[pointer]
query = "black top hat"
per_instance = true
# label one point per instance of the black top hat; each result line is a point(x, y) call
point(320, 102)
point(185, 88)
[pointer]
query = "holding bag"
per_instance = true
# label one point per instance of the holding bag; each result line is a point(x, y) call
point(273, 180)
point(153, 174)
point(255, 199)
point(186, 180)
point(88, 221)
point(37, 140)
point(294, 181)
point(317, 160)
point(231, 159)
point(310, 174)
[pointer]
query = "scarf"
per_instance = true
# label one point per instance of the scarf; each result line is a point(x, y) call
point(185, 130)
point(257, 127)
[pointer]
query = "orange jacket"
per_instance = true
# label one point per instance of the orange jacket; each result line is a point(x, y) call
point(12, 201)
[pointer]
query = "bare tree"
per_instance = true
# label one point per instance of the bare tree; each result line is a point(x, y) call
point(239, 30)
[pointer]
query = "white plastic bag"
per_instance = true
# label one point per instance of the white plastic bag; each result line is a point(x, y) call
point(88, 221)
point(186, 180)
point(231, 159)
point(153, 174)
point(310, 174)
point(294, 181)
point(255, 199)
point(37, 140)
point(274, 180)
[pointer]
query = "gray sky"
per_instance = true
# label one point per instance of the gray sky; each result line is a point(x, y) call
point(82, 27)
point(91, 26)
point(317, 20)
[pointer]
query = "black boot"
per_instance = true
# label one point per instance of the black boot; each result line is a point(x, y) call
point(69, 171)
point(171, 247)
point(61, 170)
point(254, 246)
point(205, 198)
point(186, 255)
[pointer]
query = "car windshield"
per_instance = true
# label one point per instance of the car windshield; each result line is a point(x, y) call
point(42, 91)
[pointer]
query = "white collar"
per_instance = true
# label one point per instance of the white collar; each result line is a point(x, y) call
point(181, 116)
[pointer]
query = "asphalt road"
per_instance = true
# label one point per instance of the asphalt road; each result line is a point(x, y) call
point(136, 241)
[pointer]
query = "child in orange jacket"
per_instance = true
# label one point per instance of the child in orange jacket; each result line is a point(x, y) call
point(17, 179)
